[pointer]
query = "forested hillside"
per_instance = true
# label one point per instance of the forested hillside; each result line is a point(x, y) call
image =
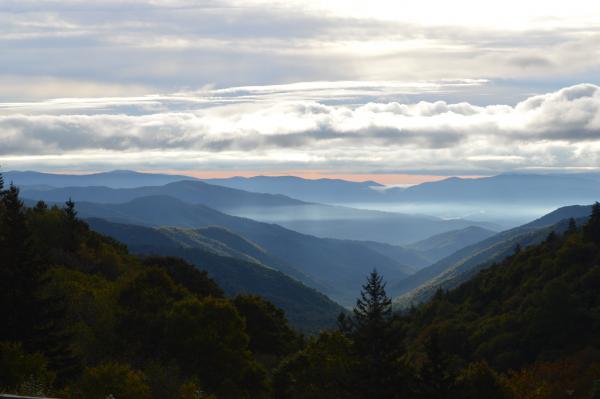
point(528, 327)
point(82, 318)
point(235, 271)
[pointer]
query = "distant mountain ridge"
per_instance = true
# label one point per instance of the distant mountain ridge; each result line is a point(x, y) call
point(312, 190)
point(112, 179)
point(337, 267)
point(514, 187)
point(324, 221)
point(509, 186)
point(458, 267)
point(235, 271)
point(194, 192)
point(441, 245)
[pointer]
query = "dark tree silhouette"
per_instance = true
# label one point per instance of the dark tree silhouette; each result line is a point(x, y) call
point(374, 341)
point(374, 307)
point(592, 228)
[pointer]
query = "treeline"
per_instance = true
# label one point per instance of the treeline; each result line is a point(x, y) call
point(82, 318)
point(526, 328)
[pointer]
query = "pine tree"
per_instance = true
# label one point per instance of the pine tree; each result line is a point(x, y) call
point(373, 339)
point(373, 308)
point(19, 273)
point(29, 316)
point(72, 226)
point(69, 210)
point(592, 229)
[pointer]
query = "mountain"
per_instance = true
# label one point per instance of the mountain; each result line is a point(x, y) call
point(194, 192)
point(560, 214)
point(510, 187)
point(234, 271)
point(414, 258)
point(113, 179)
point(539, 305)
point(330, 191)
point(315, 219)
point(82, 317)
point(458, 267)
point(337, 267)
point(509, 200)
point(505, 187)
point(441, 245)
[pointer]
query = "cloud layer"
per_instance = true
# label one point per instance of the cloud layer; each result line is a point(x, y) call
point(306, 126)
point(55, 48)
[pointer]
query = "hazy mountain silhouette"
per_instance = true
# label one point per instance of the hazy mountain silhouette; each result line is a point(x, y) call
point(337, 266)
point(458, 267)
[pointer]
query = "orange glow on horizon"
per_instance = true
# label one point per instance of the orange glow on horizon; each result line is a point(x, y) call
point(382, 178)
point(388, 179)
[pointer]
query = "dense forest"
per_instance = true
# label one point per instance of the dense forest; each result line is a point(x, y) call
point(83, 318)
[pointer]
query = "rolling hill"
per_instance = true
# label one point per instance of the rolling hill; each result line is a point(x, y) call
point(441, 245)
point(315, 219)
point(570, 187)
point(540, 305)
point(458, 267)
point(234, 271)
point(113, 179)
point(329, 191)
point(337, 267)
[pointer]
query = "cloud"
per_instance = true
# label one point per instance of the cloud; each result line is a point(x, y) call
point(260, 126)
point(174, 45)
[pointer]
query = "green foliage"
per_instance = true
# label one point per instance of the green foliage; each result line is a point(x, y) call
point(324, 369)
point(186, 275)
point(541, 304)
point(77, 305)
point(118, 380)
point(592, 229)
point(23, 373)
point(266, 326)
point(479, 380)
point(375, 342)
point(104, 318)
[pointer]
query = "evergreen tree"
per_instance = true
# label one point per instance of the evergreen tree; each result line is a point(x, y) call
point(592, 228)
point(29, 315)
point(18, 276)
point(69, 210)
point(73, 226)
point(374, 308)
point(374, 342)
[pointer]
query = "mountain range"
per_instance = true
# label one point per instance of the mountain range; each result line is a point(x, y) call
point(336, 267)
point(460, 266)
point(238, 266)
point(570, 187)
point(315, 219)
point(508, 200)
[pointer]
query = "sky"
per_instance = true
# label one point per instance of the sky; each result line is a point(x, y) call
point(393, 91)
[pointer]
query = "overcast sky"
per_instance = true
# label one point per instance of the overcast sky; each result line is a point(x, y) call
point(316, 88)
